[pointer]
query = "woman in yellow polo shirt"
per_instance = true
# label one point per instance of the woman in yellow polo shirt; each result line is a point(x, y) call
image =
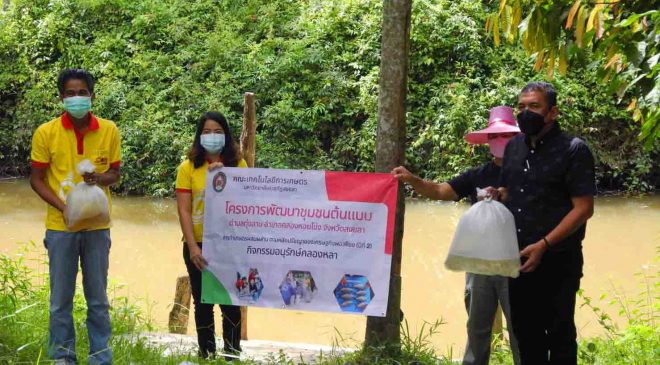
point(212, 148)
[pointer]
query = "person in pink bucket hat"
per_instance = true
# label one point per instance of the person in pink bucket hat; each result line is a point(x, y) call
point(501, 128)
point(482, 292)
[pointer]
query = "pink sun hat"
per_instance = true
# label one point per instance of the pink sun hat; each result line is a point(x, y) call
point(501, 120)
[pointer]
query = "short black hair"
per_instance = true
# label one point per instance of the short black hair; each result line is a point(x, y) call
point(76, 74)
point(546, 88)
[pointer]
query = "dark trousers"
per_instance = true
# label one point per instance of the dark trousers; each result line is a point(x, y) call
point(204, 321)
point(543, 309)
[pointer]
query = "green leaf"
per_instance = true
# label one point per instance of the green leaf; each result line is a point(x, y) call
point(563, 60)
point(591, 347)
point(496, 30)
point(633, 18)
point(653, 97)
point(579, 27)
point(571, 14)
point(652, 61)
point(631, 84)
point(635, 52)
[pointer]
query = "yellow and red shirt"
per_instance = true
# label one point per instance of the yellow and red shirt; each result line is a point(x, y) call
point(193, 180)
point(58, 146)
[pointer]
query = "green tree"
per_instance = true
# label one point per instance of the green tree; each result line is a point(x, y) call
point(622, 35)
point(390, 153)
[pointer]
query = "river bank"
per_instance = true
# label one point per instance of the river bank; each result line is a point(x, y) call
point(24, 323)
point(259, 351)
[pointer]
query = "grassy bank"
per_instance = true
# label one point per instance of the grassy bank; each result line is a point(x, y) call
point(24, 329)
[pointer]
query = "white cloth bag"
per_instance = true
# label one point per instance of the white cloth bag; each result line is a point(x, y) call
point(87, 205)
point(485, 241)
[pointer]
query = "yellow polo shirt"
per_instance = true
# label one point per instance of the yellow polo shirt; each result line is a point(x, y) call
point(193, 180)
point(59, 147)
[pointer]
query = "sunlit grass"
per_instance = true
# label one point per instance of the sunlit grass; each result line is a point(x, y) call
point(24, 329)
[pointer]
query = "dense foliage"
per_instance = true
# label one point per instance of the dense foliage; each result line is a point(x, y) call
point(314, 68)
point(623, 36)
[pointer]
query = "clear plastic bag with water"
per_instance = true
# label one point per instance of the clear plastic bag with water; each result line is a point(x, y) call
point(485, 241)
point(87, 205)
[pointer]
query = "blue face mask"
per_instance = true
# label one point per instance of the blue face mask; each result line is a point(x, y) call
point(78, 106)
point(213, 142)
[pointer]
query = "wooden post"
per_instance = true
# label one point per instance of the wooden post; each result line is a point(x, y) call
point(178, 322)
point(390, 152)
point(248, 134)
point(248, 151)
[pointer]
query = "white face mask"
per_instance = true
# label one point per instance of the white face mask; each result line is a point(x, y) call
point(497, 146)
point(212, 142)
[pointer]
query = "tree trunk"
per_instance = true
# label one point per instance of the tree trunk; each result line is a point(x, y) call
point(390, 152)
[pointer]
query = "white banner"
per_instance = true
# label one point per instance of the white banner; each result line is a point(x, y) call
point(303, 240)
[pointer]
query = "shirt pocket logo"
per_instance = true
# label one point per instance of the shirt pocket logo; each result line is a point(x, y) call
point(100, 158)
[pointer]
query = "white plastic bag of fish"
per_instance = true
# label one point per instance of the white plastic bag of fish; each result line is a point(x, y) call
point(485, 241)
point(87, 205)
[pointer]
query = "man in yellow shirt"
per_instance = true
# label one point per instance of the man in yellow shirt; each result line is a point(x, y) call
point(57, 147)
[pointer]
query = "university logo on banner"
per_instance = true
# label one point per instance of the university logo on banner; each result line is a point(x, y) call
point(303, 240)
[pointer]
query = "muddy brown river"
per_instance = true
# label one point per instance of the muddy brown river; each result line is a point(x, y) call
point(145, 261)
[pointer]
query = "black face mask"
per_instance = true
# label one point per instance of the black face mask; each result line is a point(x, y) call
point(530, 122)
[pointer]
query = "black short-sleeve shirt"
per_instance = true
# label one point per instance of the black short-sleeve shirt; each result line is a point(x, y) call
point(466, 184)
point(541, 182)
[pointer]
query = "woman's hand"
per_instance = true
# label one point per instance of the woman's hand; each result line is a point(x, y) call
point(196, 257)
point(215, 165)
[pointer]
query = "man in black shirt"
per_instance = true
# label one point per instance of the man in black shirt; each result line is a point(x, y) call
point(482, 292)
point(548, 184)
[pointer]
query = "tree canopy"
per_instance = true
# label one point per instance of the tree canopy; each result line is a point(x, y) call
point(621, 36)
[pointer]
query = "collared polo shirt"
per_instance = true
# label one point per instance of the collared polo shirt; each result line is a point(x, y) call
point(541, 181)
point(58, 147)
point(466, 184)
point(193, 180)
